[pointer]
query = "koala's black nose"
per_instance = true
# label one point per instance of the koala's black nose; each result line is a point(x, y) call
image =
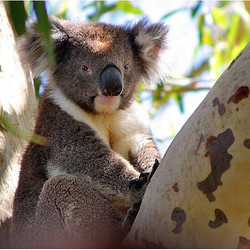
point(111, 81)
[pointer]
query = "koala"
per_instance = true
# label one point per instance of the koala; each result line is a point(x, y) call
point(74, 190)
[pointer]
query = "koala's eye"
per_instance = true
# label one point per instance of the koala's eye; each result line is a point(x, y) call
point(85, 67)
point(126, 66)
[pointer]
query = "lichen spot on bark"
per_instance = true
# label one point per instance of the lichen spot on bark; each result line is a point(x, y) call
point(221, 108)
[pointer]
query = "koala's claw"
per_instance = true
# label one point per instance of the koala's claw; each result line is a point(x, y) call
point(155, 166)
point(144, 177)
point(137, 183)
point(131, 215)
point(133, 211)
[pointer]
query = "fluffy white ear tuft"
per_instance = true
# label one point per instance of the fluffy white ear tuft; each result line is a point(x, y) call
point(150, 41)
point(32, 46)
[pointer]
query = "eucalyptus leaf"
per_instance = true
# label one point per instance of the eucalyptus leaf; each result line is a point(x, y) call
point(128, 7)
point(196, 8)
point(173, 12)
point(43, 26)
point(220, 17)
point(7, 125)
point(18, 16)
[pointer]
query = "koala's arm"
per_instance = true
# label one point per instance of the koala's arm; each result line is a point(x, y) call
point(76, 149)
point(109, 171)
point(146, 156)
point(142, 149)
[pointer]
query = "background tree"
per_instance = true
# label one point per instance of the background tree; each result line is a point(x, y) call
point(17, 108)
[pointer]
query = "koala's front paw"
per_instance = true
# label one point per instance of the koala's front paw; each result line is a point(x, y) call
point(144, 177)
point(137, 183)
point(130, 218)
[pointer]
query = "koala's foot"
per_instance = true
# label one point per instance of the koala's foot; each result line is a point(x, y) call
point(130, 218)
point(137, 183)
point(144, 177)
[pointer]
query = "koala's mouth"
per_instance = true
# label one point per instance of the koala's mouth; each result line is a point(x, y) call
point(106, 104)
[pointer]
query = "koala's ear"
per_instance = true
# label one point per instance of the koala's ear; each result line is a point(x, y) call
point(149, 41)
point(32, 47)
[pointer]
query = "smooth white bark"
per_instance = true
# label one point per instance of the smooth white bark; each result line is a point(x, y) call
point(199, 196)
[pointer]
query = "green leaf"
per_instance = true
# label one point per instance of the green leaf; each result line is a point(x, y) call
point(43, 26)
point(173, 134)
point(173, 12)
point(207, 36)
point(7, 125)
point(63, 9)
point(128, 7)
point(198, 71)
point(196, 8)
point(42, 17)
point(179, 99)
point(160, 96)
point(102, 7)
point(217, 61)
point(220, 17)
point(18, 16)
point(233, 30)
point(201, 27)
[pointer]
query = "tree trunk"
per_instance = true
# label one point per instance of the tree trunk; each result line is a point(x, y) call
point(199, 196)
point(17, 109)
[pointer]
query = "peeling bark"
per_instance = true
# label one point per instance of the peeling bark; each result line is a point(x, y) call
point(205, 172)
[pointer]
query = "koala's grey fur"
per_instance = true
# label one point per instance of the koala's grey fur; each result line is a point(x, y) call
point(73, 191)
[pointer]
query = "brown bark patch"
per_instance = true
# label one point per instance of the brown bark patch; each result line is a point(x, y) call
point(246, 143)
point(241, 93)
point(178, 215)
point(221, 108)
point(220, 218)
point(175, 187)
point(220, 162)
point(244, 243)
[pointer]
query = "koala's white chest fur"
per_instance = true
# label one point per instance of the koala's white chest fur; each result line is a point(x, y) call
point(125, 131)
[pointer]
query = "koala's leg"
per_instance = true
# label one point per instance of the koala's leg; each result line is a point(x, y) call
point(136, 183)
point(72, 214)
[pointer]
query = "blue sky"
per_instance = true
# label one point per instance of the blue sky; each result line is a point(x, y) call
point(179, 56)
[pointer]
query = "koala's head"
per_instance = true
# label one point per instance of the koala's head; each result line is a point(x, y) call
point(98, 66)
